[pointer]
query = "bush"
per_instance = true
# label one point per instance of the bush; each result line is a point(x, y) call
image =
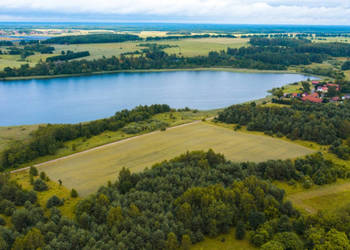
point(40, 185)
point(7, 207)
point(73, 193)
point(43, 176)
point(54, 201)
point(33, 171)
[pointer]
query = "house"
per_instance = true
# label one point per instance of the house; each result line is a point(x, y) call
point(294, 95)
point(333, 85)
point(323, 89)
point(311, 98)
point(315, 82)
point(335, 99)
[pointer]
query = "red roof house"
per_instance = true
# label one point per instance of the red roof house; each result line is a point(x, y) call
point(311, 98)
point(315, 82)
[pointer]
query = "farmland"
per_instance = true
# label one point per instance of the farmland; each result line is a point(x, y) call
point(88, 170)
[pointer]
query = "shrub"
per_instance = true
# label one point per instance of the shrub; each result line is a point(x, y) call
point(33, 171)
point(73, 193)
point(54, 201)
point(43, 176)
point(40, 185)
point(240, 230)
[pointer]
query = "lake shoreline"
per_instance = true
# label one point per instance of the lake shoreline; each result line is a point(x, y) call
point(228, 69)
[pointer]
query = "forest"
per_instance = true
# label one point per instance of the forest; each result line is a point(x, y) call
point(47, 139)
point(326, 124)
point(177, 203)
point(91, 38)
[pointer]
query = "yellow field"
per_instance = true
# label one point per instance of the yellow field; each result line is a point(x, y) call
point(88, 170)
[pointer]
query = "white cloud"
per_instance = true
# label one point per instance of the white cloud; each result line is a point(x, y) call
point(229, 11)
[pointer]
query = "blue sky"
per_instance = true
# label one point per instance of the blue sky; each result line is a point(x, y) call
point(327, 12)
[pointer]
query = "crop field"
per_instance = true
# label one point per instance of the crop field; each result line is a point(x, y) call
point(328, 197)
point(88, 170)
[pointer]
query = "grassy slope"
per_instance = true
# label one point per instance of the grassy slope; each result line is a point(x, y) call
point(11, 134)
point(89, 170)
point(23, 179)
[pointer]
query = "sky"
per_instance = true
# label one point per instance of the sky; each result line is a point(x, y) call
point(317, 12)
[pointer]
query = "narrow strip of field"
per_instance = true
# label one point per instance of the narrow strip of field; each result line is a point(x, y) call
point(88, 170)
point(328, 197)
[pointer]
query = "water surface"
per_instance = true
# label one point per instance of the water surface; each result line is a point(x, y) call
point(76, 99)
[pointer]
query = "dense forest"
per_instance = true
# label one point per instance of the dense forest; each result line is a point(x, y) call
point(175, 204)
point(322, 123)
point(48, 139)
point(94, 38)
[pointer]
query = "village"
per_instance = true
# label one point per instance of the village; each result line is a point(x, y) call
point(319, 92)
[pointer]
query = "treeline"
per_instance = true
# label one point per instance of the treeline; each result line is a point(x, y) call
point(321, 123)
point(177, 203)
point(6, 43)
point(93, 38)
point(282, 41)
point(157, 38)
point(346, 65)
point(68, 56)
point(46, 140)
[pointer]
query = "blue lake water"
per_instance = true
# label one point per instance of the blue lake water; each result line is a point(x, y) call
point(76, 99)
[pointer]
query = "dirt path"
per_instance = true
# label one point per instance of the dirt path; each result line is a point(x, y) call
point(299, 198)
point(103, 146)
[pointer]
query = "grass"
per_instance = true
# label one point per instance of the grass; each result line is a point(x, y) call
point(15, 133)
point(326, 197)
point(62, 192)
point(89, 170)
point(223, 242)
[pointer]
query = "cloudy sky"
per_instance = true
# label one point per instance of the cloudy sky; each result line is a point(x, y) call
point(330, 12)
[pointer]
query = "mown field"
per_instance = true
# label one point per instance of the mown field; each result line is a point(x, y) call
point(327, 197)
point(88, 170)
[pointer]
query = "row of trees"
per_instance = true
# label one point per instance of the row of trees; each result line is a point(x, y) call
point(48, 139)
point(177, 203)
point(92, 38)
point(68, 56)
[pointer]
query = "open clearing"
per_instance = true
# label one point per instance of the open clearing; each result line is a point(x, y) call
point(88, 170)
point(328, 197)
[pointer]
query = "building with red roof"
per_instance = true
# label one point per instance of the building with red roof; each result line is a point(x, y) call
point(311, 98)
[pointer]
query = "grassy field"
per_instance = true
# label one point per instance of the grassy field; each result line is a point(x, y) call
point(327, 197)
point(185, 47)
point(223, 242)
point(15, 133)
point(89, 170)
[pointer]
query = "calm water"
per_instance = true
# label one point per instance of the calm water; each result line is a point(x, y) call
point(76, 99)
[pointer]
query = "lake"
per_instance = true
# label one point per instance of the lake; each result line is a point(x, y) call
point(76, 99)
